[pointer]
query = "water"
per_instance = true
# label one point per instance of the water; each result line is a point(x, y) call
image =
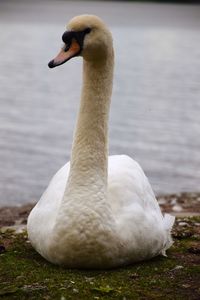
point(155, 108)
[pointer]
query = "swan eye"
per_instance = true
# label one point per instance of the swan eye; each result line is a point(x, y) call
point(87, 30)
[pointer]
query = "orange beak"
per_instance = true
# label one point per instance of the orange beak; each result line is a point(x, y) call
point(65, 55)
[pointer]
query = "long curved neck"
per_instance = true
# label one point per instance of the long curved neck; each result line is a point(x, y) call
point(88, 165)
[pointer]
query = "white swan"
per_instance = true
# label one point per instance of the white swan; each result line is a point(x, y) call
point(96, 213)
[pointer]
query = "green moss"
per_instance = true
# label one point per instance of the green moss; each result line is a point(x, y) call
point(26, 275)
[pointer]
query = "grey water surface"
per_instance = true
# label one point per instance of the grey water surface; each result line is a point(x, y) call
point(155, 109)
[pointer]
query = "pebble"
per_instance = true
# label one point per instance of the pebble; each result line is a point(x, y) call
point(89, 279)
point(183, 224)
point(162, 201)
point(186, 286)
point(14, 228)
point(177, 268)
point(173, 201)
point(177, 208)
point(197, 224)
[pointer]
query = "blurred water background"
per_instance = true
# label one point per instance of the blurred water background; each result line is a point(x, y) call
point(156, 100)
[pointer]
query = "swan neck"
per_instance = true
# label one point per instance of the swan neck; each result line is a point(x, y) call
point(89, 157)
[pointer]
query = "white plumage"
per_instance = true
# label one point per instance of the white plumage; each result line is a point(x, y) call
point(98, 213)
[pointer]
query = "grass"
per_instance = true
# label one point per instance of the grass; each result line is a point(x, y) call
point(24, 274)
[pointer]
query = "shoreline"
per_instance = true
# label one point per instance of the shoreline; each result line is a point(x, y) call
point(181, 205)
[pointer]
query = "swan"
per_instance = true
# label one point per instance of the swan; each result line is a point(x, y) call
point(98, 212)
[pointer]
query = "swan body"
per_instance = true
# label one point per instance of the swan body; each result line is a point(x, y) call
point(98, 211)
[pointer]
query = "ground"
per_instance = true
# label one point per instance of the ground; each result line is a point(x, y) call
point(24, 274)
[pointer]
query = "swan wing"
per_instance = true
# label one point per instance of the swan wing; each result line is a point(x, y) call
point(137, 213)
point(128, 185)
point(43, 215)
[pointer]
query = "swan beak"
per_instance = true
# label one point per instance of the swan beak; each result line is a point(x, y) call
point(65, 54)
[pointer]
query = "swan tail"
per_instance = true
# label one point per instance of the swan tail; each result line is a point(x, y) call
point(168, 224)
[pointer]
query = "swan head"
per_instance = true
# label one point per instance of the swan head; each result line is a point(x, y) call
point(86, 36)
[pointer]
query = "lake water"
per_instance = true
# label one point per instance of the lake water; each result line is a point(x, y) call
point(155, 110)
